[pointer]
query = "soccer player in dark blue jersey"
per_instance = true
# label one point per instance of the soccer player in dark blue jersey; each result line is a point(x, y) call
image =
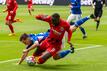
point(33, 40)
point(75, 14)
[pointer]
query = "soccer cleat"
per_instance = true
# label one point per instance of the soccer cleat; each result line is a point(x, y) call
point(72, 49)
point(18, 20)
point(84, 37)
point(12, 34)
point(92, 16)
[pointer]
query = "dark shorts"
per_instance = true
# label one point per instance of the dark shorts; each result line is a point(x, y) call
point(98, 12)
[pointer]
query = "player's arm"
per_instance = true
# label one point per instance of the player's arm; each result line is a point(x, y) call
point(26, 51)
point(32, 47)
point(43, 17)
point(67, 28)
point(24, 55)
point(16, 6)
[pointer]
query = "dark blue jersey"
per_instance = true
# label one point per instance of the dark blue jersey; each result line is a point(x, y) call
point(37, 37)
point(76, 7)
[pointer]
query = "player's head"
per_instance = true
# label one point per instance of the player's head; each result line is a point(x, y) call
point(24, 38)
point(55, 19)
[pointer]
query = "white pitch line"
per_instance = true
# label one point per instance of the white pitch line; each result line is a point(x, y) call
point(89, 47)
point(8, 61)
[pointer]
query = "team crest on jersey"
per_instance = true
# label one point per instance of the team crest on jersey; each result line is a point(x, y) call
point(62, 29)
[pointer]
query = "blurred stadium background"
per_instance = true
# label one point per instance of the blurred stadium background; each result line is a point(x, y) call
point(83, 60)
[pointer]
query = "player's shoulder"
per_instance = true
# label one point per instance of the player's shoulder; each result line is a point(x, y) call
point(64, 23)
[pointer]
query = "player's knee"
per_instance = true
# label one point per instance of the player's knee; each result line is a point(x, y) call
point(41, 61)
point(56, 57)
point(43, 58)
point(6, 23)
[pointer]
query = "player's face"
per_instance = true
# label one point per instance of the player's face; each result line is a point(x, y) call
point(55, 21)
point(27, 41)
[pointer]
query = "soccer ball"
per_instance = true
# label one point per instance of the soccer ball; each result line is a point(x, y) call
point(30, 60)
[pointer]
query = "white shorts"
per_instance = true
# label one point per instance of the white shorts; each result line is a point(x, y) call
point(74, 17)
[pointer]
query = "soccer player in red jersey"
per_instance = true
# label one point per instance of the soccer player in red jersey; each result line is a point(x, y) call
point(11, 9)
point(52, 44)
point(30, 8)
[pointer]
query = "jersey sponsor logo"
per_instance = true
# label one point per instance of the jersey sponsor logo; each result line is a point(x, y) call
point(56, 32)
point(48, 2)
point(62, 29)
point(86, 2)
point(53, 49)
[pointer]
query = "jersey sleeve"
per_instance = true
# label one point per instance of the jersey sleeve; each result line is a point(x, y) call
point(16, 6)
point(43, 18)
point(77, 5)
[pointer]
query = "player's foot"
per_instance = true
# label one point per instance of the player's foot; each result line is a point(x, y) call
point(92, 16)
point(84, 37)
point(72, 49)
point(18, 20)
point(32, 9)
point(12, 34)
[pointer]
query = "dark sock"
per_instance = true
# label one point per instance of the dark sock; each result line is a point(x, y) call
point(98, 22)
point(11, 28)
point(82, 30)
point(62, 54)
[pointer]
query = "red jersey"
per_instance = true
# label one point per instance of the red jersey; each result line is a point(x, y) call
point(57, 32)
point(11, 5)
point(29, 2)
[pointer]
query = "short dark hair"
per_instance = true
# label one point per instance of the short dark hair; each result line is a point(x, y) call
point(55, 15)
point(24, 36)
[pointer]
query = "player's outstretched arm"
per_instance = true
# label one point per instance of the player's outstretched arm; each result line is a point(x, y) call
point(5, 10)
point(31, 47)
point(24, 55)
point(43, 17)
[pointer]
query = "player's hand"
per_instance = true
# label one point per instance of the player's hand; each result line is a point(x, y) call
point(4, 11)
point(25, 51)
point(70, 43)
point(18, 63)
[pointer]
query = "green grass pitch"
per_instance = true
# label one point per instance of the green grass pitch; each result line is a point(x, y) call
point(90, 59)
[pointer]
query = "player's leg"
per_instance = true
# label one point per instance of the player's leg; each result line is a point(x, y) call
point(78, 17)
point(37, 54)
point(83, 32)
point(29, 9)
point(44, 57)
point(62, 54)
point(80, 22)
point(71, 17)
point(98, 19)
point(32, 8)
point(9, 23)
point(50, 51)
